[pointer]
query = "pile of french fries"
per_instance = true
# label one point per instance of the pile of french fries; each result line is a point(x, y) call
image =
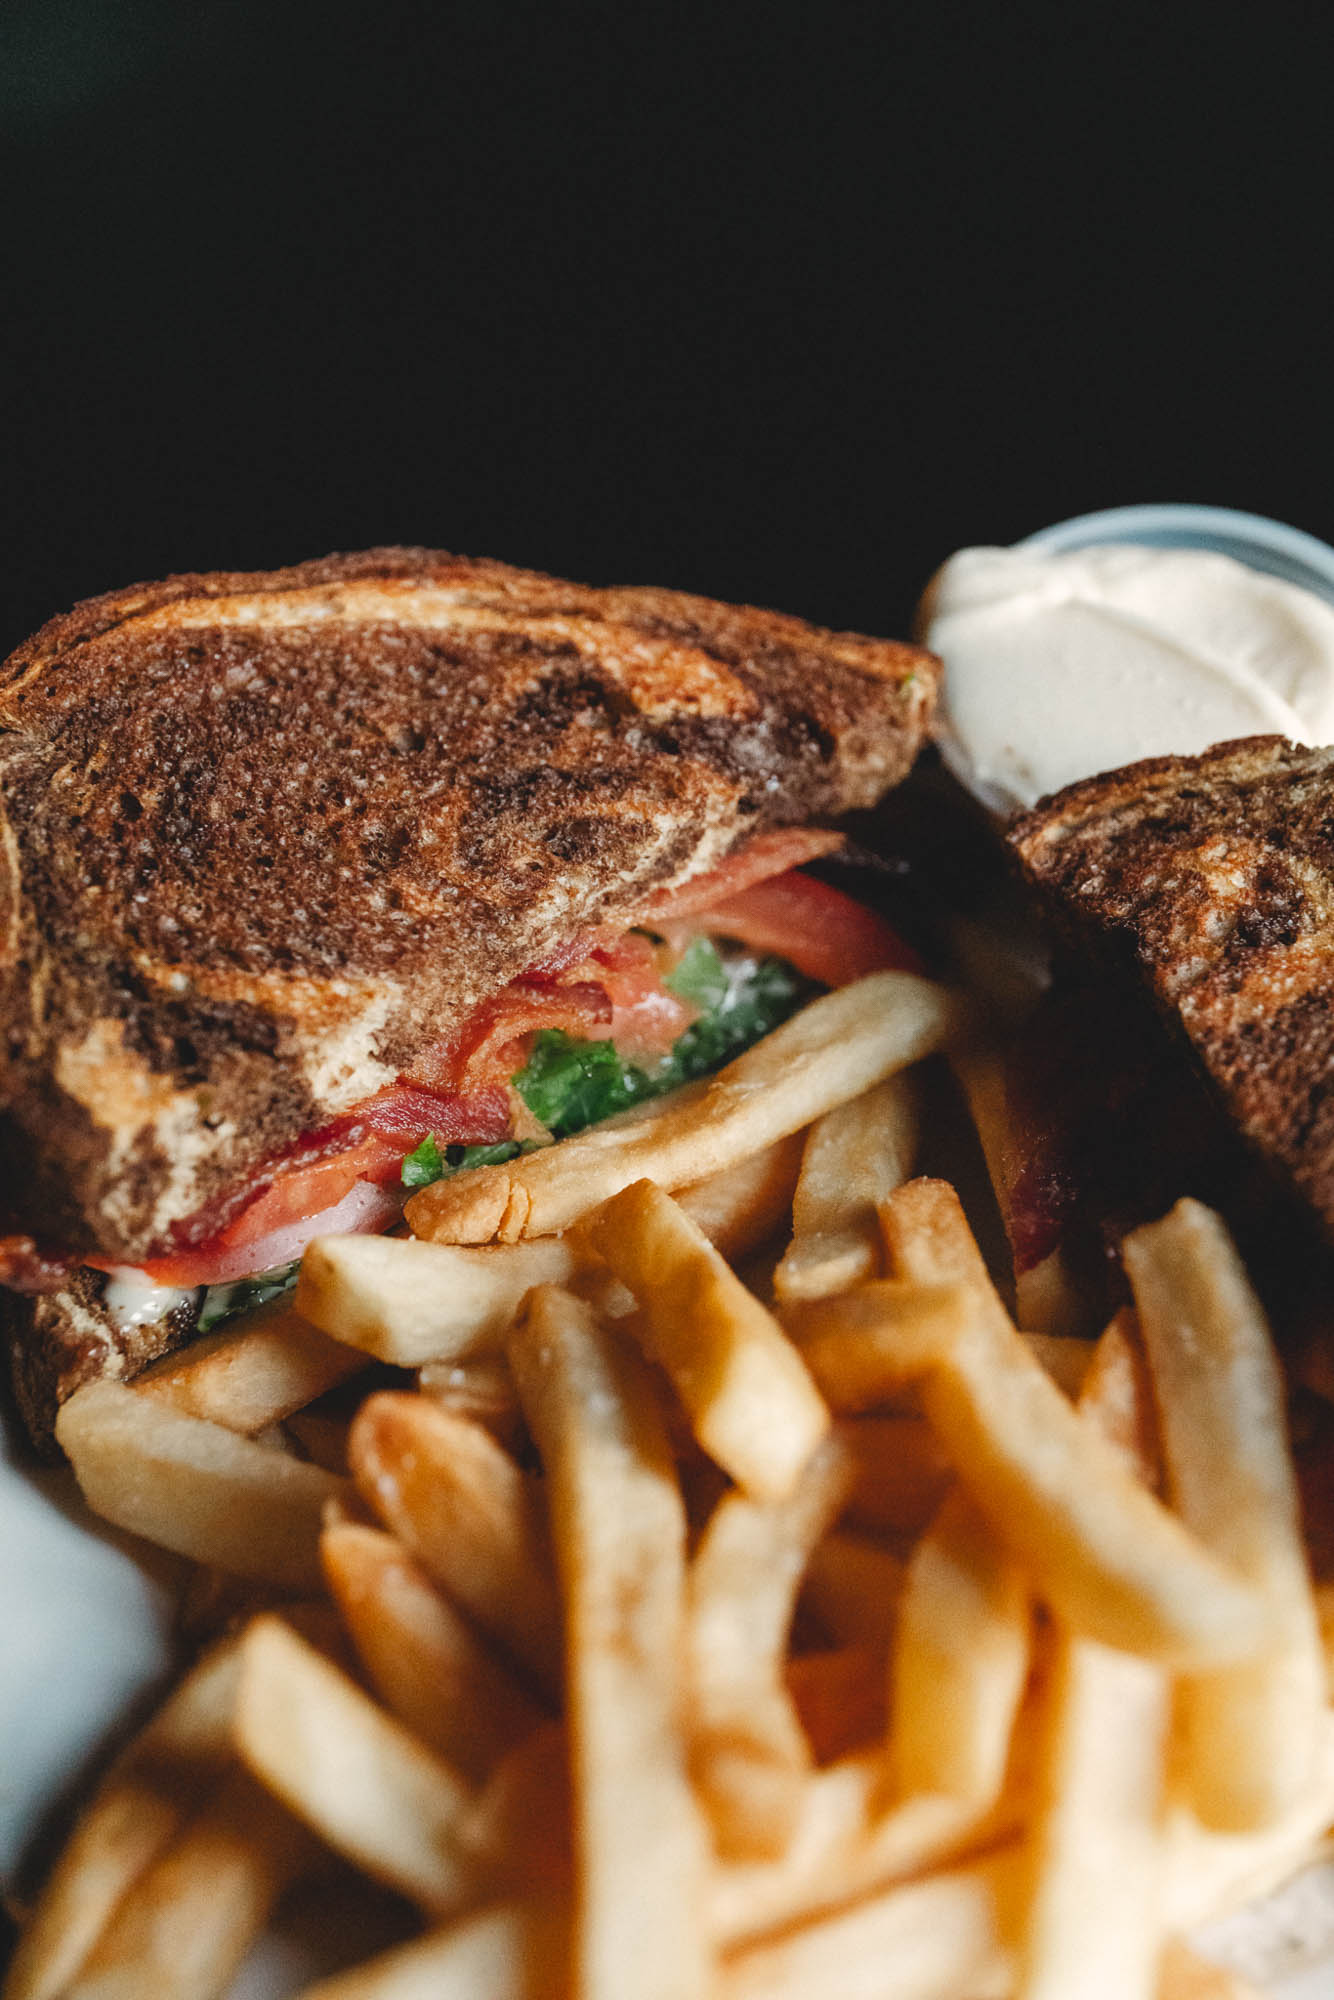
point(710, 1591)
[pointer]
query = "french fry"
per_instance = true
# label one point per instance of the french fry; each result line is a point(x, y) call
point(843, 1848)
point(750, 1399)
point(930, 1940)
point(854, 1156)
point(834, 1049)
point(900, 1473)
point(1224, 1431)
point(469, 1516)
point(740, 1208)
point(511, 1951)
point(866, 1348)
point(1117, 1395)
point(1324, 1606)
point(359, 1779)
point(519, 1830)
point(1047, 1301)
point(1107, 1556)
point(962, 1639)
point(250, 1376)
point(196, 1488)
point(1050, 1303)
point(187, 1922)
point(480, 1389)
point(839, 1697)
point(748, 1752)
point(1094, 1849)
point(1067, 1358)
point(426, 1664)
point(1208, 1874)
point(409, 1302)
point(1182, 1975)
point(852, 1586)
point(619, 1528)
point(1004, 962)
point(1094, 1859)
point(154, 1786)
point(321, 1437)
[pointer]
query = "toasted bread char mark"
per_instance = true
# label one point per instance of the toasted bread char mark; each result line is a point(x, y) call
point(1217, 873)
point(661, 676)
point(286, 829)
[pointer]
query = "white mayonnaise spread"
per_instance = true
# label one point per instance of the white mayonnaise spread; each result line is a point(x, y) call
point(1059, 666)
point(131, 1299)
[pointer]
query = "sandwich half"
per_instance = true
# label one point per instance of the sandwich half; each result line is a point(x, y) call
point(315, 882)
point(1213, 877)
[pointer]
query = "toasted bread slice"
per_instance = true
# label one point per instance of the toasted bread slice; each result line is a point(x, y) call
point(265, 836)
point(1215, 875)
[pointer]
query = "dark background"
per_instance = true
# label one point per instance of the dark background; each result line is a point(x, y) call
point(774, 303)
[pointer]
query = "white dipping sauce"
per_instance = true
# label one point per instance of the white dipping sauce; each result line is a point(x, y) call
point(1059, 666)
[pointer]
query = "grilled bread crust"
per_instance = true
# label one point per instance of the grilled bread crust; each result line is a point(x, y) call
point(1215, 874)
point(263, 837)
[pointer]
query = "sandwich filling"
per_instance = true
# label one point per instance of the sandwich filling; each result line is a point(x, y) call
point(605, 1022)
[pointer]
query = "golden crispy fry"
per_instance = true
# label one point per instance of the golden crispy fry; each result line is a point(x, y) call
point(1049, 1302)
point(1224, 1429)
point(740, 1208)
point(424, 1661)
point(1113, 1562)
point(188, 1921)
point(867, 1347)
point(470, 1517)
point(162, 1777)
point(900, 1473)
point(619, 1528)
point(750, 1399)
point(361, 1781)
point(962, 1640)
point(1117, 1394)
point(927, 1940)
point(410, 1302)
point(249, 1376)
point(194, 1487)
point(1093, 1854)
point(854, 1156)
point(843, 1847)
point(853, 1586)
point(836, 1048)
point(748, 1753)
point(1209, 1873)
point(511, 1951)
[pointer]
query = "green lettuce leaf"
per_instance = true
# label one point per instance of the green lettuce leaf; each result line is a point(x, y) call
point(569, 1084)
point(429, 1164)
point(699, 976)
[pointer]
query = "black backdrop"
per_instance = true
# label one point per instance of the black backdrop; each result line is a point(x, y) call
point(774, 303)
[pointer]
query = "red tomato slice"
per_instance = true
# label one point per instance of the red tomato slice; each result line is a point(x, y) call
point(647, 1018)
point(768, 854)
point(824, 933)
